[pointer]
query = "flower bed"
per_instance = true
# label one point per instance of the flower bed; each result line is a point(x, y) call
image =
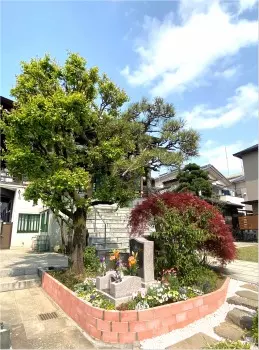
point(125, 327)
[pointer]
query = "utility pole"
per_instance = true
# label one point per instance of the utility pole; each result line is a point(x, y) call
point(227, 159)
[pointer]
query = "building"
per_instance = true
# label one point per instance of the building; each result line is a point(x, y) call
point(224, 189)
point(228, 193)
point(21, 220)
point(249, 157)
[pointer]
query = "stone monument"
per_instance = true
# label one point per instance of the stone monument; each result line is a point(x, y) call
point(145, 249)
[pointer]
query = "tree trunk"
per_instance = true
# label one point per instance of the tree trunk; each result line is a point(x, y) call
point(79, 241)
point(148, 181)
point(62, 232)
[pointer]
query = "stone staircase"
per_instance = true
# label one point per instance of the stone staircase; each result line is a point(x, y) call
point(234, 328)
point(115, 221)
point(240, 318)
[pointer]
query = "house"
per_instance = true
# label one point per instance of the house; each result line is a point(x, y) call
point(20, 220)
point(222, 187)
point(226, 193)
point(249, 157)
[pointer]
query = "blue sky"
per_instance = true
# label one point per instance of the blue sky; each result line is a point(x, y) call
point(199, 55)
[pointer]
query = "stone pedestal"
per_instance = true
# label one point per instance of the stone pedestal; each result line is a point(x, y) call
point(126, 287)
point(103, 282)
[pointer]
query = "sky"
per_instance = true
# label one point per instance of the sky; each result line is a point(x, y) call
point(199, 55)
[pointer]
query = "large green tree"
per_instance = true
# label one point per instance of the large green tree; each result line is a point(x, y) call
point(192, 178)
point(163, 139)
point(70, 138)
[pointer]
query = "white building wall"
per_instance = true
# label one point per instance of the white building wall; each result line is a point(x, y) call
point(21, 206)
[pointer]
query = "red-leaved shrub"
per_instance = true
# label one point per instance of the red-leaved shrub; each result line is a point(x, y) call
point(220, 244)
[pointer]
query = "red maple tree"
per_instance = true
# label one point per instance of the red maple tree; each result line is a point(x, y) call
point(220, 244)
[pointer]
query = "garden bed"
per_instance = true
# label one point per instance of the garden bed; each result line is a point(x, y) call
point(125, 327)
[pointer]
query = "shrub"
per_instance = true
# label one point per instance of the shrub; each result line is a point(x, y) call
point(202, 278)
point(91, 260)
point(177, 239)
point(68, 278)
point(199, 214)
point(228, 344)
point(254, 330)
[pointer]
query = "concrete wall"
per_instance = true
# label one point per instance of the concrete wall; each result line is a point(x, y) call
point(250, 162)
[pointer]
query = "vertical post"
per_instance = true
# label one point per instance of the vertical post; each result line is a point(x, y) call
point(227, 159)
point(94, 220)
point(141, 186)
point(105, 236)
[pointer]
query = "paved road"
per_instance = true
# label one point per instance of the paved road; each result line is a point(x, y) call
point(26, 259)
point(246, 244)
point(21, 309)
point(240, 270)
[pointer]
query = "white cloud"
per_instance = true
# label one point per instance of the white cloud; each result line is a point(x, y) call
point(216, 155)
point(246, 5)
point(239, 107)
point(173, 56)
point(227, 73)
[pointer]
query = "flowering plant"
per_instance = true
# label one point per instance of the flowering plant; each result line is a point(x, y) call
point(87, 291)
point(166, 274)
point(133, 264)
point(115, 260)
point(162, 294)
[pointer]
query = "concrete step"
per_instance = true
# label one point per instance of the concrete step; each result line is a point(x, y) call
point(109, 221)
point(19, 282)
point(18, 271)
point(240, 318)
point(247, 294)
point(229, 331)
point(110, 228)
point(197, 341)
point(253, 287)
point(237, 300)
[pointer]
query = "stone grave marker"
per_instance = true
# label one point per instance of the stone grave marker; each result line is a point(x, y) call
point(145, 249)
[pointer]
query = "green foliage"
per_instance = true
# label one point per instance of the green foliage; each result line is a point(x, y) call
point(192, 178)
point(200, 277)
point(254, 330)
point(228, 344)
point(91, 261)
point(69, 137)
point(159, 295)
point(88, 292)
point(68, 278)
point(176, 241)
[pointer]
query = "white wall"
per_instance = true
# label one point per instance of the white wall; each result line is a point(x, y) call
point(21, 206)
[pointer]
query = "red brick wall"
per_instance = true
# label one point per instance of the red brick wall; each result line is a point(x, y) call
point(128, 326)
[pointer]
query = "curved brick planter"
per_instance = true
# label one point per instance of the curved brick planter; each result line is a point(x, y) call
point(129, 326)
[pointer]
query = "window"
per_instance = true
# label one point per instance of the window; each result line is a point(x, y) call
point(44, 221)
point(28, 223)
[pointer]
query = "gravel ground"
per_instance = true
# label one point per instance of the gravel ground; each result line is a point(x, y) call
point(204, 325)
